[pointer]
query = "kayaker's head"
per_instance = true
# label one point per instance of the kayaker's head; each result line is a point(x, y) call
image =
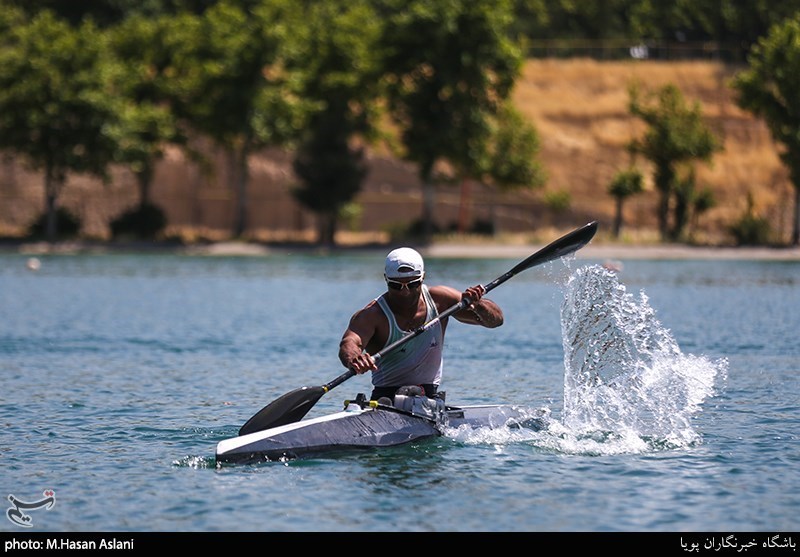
point(404, 270)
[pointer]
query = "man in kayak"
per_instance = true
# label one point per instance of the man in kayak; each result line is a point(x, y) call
point(406, 305)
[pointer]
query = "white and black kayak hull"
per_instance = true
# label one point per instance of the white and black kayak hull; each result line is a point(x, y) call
point(357, 427)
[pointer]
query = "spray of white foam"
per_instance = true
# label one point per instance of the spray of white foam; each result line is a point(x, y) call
point(628, 387)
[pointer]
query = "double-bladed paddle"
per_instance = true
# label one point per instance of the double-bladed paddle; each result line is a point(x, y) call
point(295, 404)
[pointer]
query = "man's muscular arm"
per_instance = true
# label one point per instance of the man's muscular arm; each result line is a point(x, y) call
point(354, 340)
point(481, 311)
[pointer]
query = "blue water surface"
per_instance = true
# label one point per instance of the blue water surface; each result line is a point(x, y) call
point(121, 373)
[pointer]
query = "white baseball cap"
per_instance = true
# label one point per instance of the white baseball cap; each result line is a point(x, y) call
point(404, 263)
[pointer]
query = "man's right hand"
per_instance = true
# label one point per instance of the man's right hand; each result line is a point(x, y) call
point(363, 363)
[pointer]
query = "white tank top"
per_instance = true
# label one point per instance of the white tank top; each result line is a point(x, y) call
point(416, 362)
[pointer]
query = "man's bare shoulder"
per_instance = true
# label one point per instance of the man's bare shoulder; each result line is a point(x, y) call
point(369, 312)
point(444, 295)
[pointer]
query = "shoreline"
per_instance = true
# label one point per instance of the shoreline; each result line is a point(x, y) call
point(628, 252)
point(598, 251)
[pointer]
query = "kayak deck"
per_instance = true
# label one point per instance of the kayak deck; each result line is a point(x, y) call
point(364, 424)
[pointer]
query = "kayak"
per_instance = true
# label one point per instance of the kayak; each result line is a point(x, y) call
point(365, 424)
point(278, 431)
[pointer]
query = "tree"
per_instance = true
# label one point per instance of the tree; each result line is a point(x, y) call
point(512, 151)
point(450, 66)
point(58, 104)
point(143, 46)
point(676, 137)
point(110, 12)
point(331, 172)
point(234, 83)
point(770, 88)
point(342, 69)
point(625, 184)
point(702, 202)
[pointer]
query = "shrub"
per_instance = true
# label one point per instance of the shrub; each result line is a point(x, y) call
point(414, 230)
point(751, 230)
point(483, 227)
point(558, 201)
point(67, 225)
point(144, 222)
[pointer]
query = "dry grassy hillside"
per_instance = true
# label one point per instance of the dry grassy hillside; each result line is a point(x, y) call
point(580, 108)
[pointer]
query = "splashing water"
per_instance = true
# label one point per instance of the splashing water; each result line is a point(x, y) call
point(626, 378)
point(628, 388)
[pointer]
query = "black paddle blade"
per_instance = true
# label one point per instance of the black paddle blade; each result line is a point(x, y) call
point(287, 409)
point(565, 245)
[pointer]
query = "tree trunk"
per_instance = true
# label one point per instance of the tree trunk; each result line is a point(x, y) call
point(796, 227)
point(493, 209)
point(428, 205)
point(144, 178)
point(665, 180)
point(618, 218)
point(240, 174)
point(464, 207)
point(326, 229)
point(50, 197)
point(681, 216)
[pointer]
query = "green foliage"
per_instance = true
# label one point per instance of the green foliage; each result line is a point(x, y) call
point(676, 130)
point(84, 84)
point(704, 200)
point(143, 47)
point(331, 173)
point(351, 214)
point(67, 225)
point(235, 80)
point(341, 74)
point(770, 88)
point(57, 103)
point(415, 231)
point(144, 222)
point(558, 201)
point(730, 22)
point(736, 22)
point(449, 66)
point(478, 227)
point(626, 183)
point(232, 74)
point(147, 123)
point(751, 230)
point(109, 12)
point(483, 227)
point(701, 202)
point(10, 17)
point(514, 146)
point(676, 137)
point(59, 107)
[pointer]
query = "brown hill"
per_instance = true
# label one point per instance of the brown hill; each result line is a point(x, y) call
point(580, 110)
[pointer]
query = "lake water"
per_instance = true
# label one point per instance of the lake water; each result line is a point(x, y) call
point(672, 388)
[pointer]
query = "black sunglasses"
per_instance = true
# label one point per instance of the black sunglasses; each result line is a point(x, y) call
point(397, 285)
